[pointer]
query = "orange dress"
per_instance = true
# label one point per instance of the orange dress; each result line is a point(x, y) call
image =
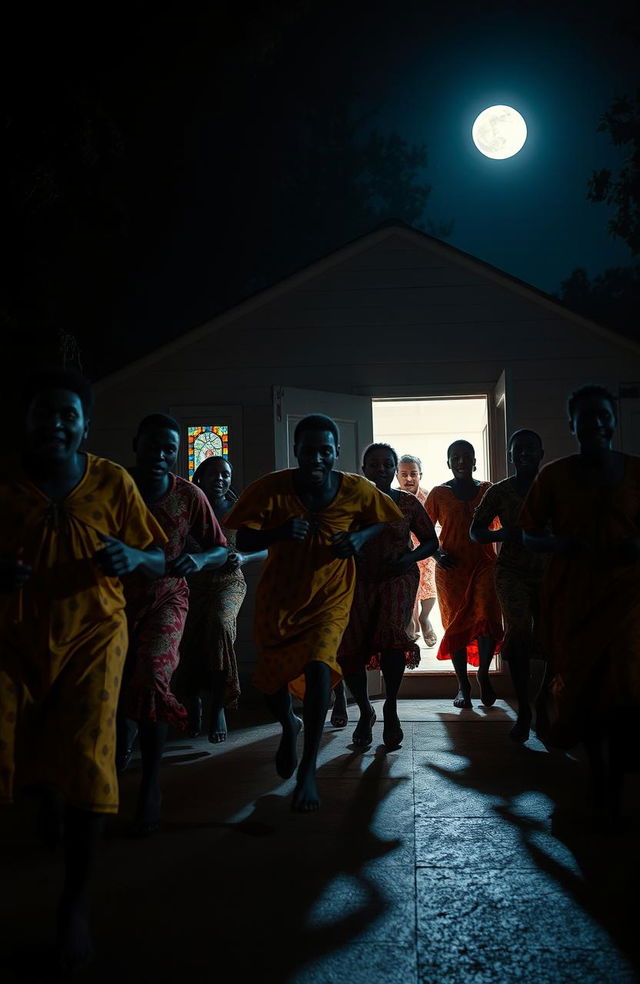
point(63, 637)
point(305, 592)
point(469, 606)
point(590, 607)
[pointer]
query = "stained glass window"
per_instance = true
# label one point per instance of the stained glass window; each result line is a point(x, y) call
point(206, 441)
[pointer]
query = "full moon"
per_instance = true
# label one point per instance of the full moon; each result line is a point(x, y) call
point(499, 132)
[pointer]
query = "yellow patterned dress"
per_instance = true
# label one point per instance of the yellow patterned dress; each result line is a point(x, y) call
point(305, 592)
point(63, 637)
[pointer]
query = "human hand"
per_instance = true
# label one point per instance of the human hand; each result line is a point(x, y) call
point(235, 560)
point(348, 544)
point(184, 565)
point(513, 535)
point(295, 529)
point(445, 561)
point(14, 573)
point(116, 558)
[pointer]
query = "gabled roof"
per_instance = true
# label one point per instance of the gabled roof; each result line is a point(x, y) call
point(321, 266)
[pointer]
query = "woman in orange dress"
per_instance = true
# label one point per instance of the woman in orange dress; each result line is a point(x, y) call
point(591, 591)
point(467, 597)
point(409, 475)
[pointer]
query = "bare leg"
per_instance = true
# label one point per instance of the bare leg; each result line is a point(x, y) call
point(81, 838)
point(287, 755)
point(357, 684)
point(126, 734)
point(463, 697)
point(339, 715)
point(392, 664)
point(519, 670)
point(194, 710)
point(153, 737)
point(316, 702)
point(217, 719)
point(428, 631)
point(486, 646)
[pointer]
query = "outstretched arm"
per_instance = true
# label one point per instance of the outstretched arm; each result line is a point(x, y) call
point(192, 563)
point(253, 541)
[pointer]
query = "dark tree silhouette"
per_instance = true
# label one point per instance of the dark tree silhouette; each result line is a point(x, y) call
point(622, 191)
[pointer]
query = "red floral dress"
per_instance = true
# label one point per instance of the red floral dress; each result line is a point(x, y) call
point(157, 610)
point(383, 606)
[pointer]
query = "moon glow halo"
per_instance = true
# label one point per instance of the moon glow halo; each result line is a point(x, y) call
point(499, 132)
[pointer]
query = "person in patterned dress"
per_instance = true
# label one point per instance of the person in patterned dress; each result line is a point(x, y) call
point(387, 579)
point(313, 520)
point(519, 571)
point(208, 659)
point(157, 612)
point(72, 525)
point(467, 596)
point(409, 476)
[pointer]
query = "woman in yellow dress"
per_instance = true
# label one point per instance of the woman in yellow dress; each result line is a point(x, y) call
point(313, 520)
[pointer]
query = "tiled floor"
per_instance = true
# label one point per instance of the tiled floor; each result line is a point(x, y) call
point(458, 858)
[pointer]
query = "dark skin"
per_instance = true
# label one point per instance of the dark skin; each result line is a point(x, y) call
point(598, 466)
point(316, 485)
point(156, 449)
point(462, 462)
point(55, 427)
point(216, 483)
point(525, 455)
point(380, 467)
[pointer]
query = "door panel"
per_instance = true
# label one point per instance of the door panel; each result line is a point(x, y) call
point(353, 414)
point(500, 427)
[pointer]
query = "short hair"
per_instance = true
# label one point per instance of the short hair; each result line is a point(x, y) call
point(56, 377)
point(591, 389)
point(524, 431)
point(205, 465)
point(153, 420)
point(411, 459)
point(379, 446)
point(317, 422)
point(461, 441)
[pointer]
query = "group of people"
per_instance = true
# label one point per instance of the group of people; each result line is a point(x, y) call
point(120, 588)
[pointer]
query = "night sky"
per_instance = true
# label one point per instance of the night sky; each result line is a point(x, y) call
point(161, 166)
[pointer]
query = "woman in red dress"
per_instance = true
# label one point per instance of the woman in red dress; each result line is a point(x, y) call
point(469, 606)
point(386, 585)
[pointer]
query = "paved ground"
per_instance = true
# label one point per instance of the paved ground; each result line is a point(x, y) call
point(458, 858)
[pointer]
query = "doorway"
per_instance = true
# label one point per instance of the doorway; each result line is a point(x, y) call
point(425, 428)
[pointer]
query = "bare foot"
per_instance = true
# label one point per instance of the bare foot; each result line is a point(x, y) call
point(392, 733)
point(305, 796)
point(462, 699)
point(363, 733)
point(75, 951)
point(339, 715)
point(520, 730)
point(287, 754)
point(487, 693)
point(429, 634)
point(218, 726)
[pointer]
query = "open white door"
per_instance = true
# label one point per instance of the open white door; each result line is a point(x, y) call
point(354, 417)
point(500, 427)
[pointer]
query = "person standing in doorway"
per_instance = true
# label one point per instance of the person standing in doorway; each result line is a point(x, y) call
point(157, 612)
point(386, 585)
point(409, 478)
point(313, 520)
point(208, 658)
point(467, 596)
point(519, 571)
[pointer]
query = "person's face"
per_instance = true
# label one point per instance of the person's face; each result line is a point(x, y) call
point(316, 452)
point(156, 451)
point(380, 467)
point(462, 461)
point(526, 454)
point(216, 480)
point(409, 477)
point(55, 425)
point(593, 423)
